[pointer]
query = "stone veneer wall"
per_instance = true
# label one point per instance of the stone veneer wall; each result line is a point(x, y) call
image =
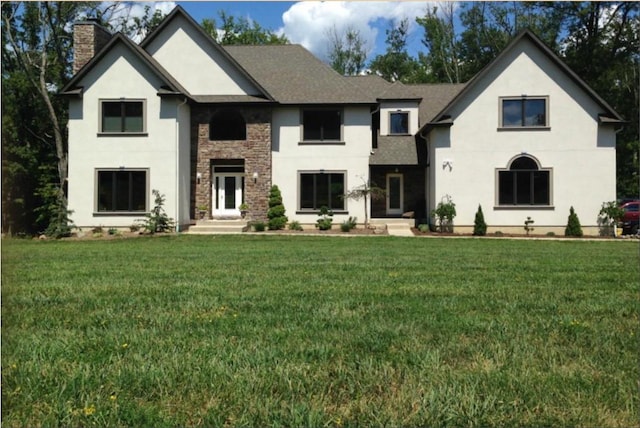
point(255, 151)
point(88, 38)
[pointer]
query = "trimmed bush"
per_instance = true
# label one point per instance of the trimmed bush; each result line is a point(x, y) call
point(479, 226)
point(259, 226)
point(275, 214)
point(325, 218)
point(573, 225)
point(295, 225)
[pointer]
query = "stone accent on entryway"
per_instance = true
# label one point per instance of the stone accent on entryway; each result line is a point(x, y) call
point(254, 153)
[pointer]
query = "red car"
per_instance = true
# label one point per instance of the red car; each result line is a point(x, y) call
point(631, 218)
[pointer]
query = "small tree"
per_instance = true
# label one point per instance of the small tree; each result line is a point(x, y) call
point(275, 214)
point(365, 192)
point(444, 215)
point(157, 220)
point(479, 226)
point(573, 225)
point(609, 216)
point(527, 225)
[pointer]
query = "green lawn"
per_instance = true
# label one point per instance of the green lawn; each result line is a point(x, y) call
point(319, 331)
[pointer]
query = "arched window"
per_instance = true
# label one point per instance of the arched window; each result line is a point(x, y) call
point(227, 125)
point(524, 183)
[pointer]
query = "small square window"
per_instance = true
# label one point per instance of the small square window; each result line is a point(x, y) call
point(399, 123)
point(122, 116)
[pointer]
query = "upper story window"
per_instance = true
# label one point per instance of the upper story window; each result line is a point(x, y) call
point(122, 116)
point(227, 125)
point(524, 112)
point(322, 125)
point(399, 123)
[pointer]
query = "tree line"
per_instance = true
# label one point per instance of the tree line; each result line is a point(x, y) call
point(598, 40)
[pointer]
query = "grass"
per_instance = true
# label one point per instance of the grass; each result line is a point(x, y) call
point(319, 331)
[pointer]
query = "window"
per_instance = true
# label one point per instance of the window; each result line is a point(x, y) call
point(122, 116)
point(524, 183)
point(524, 112)
point(321, 189)
point(227, 125)
point(322, 125)
point(399, 123)
point(122, 191)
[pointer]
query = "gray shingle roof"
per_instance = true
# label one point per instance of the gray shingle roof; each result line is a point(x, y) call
point(395, 150)
point(293, 75)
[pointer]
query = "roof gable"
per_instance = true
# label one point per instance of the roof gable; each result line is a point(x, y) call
point(172, 86)
point(197, 60)
point(525, 35)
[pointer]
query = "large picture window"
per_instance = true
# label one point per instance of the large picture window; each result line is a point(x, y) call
point(318, 189)
point(122, 191)
point(122, 116)
point(524, 112)
point(524, 183)
point(399, 123)
point(322, 125)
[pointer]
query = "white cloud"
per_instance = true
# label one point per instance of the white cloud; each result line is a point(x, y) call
point(308, 23)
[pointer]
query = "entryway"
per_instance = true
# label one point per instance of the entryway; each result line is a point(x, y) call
point(395, 194)
point(227, 191)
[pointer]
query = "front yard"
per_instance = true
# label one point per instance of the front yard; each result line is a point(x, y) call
point(276, 330)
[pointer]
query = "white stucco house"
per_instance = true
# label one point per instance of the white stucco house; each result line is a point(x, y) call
point(213, 126)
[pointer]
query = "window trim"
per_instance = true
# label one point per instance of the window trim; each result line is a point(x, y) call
point(101, 102)
point(96, 197)
point(545, 127)
point(339, 141)
point(300, 210)
point(498, 206)
point(408, 113)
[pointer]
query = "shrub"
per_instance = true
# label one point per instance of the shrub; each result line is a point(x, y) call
point(479, 226)
point(134, 227)
point(498, 233)
point(295, 225)
point(349, 224)
point(326, 218)
point(259, 226)
point(157, 220)
point(275, 214)
point(97, 229)
point(527, 225)
point(112, 231)
point(444, 214)
point(424, 228)
point(573, 225)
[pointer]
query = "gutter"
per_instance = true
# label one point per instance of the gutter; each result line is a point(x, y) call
point(177, 197)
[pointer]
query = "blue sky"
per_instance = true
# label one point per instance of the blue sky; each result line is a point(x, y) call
point(308, 22)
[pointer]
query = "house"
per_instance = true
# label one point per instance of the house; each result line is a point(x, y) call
point(214, 126)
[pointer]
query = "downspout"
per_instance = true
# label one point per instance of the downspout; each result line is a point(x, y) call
point(427, 177)
point(177, 201)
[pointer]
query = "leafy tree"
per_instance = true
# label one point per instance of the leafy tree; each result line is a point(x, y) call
point(275, 213)
point(396, 64)
point(347, 53)
point(442, 60)
point(240, 31)
point(573, 225)
point(36, 59)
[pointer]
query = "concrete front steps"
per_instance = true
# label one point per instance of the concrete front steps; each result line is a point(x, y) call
point(396, 226)
point(216, 227)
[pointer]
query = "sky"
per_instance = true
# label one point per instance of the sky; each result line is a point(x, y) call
point(308, 22)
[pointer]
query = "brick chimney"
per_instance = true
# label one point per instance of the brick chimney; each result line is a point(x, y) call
point(88, 38)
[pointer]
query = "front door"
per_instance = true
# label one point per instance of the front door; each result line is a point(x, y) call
point(395, 194)
point(227, 194)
